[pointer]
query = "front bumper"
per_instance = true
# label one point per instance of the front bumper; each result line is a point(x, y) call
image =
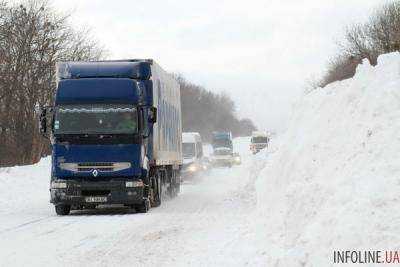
point(189, 174)
point(77, 193)
point(191, 170)
point(258, 148)
point(237, 161)
point(222, 162)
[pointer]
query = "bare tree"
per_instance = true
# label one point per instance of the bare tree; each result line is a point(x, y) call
point(340, 68)
point(384, 28)
point(32, 39)
point(359, 45)
point(381, 34)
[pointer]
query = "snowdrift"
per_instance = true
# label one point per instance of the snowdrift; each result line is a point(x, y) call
point(333, 182)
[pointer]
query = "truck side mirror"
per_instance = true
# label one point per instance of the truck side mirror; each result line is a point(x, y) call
point(44, 112)
point(153, 115)
point(43, 121)
point(144, 123)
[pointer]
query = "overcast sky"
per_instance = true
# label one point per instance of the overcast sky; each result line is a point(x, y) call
point(260, 52)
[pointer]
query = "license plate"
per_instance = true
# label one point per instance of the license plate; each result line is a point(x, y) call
point(96, 199)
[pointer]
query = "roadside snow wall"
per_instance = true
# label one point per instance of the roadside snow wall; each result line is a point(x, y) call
point(333, 182)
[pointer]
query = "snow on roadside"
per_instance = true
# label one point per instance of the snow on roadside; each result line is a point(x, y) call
point(333, 182)
point(24, 190)
point(22, 186)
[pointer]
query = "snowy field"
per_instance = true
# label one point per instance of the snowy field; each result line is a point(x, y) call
point(331, 182)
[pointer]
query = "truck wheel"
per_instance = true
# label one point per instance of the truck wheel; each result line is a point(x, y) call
point(177, 189)
point(178, 183)
point(174, 185)
point(157, 191)
point(173, 190)
point(62, 209)
point(144, 207)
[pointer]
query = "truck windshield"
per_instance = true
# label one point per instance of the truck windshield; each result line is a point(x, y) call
point(260, 139)
point(96, 119)
point(188, 150)
point(222, 143)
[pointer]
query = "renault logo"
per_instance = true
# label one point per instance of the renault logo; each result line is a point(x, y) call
point(95, 173)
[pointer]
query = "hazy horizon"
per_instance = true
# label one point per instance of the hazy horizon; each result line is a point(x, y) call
point(261, 53)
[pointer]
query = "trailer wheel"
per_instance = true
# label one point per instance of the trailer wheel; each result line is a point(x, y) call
point(177, 183)
point(62, 209)
point(176, 189)
point(174, 184)
point(156, 190)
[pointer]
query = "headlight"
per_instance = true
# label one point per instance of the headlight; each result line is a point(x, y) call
point(192, 168)
point(138, 183)
point(58, 185)
point(237, 159)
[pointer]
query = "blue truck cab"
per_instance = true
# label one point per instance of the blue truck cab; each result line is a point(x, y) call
point(222, 140)
point(115, 130)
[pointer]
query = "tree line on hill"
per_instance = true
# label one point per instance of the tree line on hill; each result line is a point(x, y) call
point(379, 35)
point(33, 37)
point(204, 112)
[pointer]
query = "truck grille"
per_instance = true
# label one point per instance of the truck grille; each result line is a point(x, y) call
point(95, 193)
point(99, 166)
point(91, 169)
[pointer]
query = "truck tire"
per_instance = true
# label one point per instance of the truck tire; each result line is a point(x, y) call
point(62, 210)
point(177, 183)
point(144, 207)
point(171, 191)
point(157, 191)
point(178, 188)
point(173, 188)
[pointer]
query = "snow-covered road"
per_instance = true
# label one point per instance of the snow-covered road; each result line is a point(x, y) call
point(206, 225)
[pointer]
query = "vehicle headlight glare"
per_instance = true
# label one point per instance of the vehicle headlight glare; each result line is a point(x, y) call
point(138, 183)
point(58, 185)
point(192, 168)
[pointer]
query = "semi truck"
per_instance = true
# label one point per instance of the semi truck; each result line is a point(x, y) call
point(259, 140)
point(222, 139)
point(116, 134)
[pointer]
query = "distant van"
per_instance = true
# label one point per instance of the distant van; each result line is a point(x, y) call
point(192, 150)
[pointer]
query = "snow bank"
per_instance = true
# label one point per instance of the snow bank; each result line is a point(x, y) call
point(333, 182)
point(24, 186)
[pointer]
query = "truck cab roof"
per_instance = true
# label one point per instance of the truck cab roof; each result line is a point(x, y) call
point(191, 137)
point(222, 135)
point(132, 69)
point(259, 134)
